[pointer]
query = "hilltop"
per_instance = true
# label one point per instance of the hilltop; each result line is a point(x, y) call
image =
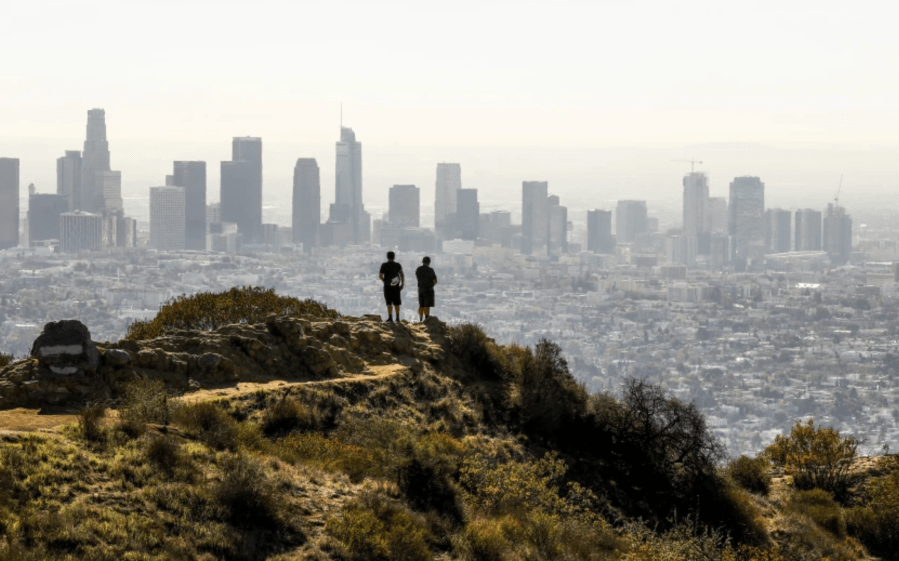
point(300, 434)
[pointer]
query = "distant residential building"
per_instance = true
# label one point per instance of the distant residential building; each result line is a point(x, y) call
point(167, 221)
point(449, 181)
point(534, 215)
point(241, 188)
point(837, 234)
point(348, 222)
point(307, 196)
point(630, 220)
point(599, 231)
point(68, 179)
point(681, 250)
point(9, 202)
point(44, 210)
point(808, 230)
point(404, 206)
point(191, 176)
point(81, 231)
point(777, 230)
point(468, 211)
point(747, 219)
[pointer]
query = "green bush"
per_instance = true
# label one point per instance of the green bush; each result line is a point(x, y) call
point(428, 477)
point(477, 351)
point(90, 421)
point(877, 524)
point(820, 506)
point(287, 415)
point(545, 392)
point(246, 495)
point(212, 424)
point(751, 474)
point(144, 401)
point(206, 311)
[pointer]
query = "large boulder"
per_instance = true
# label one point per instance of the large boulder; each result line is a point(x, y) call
point(66, 349)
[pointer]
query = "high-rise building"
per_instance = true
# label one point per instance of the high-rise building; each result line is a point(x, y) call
point(9, 202)
point(557, 227)
point(837, 234)
point(94, 160)
point(599, 231)
point(108, 192)
point(81, 231)
point(167, 221)
point(746, 219)
point(43, 216)
point(192, 177)
point(681, 250)
point(468, 212)
point(808, 230)
point(534, 215)
point(307, 197)
point(696, 196)
point(405, 206)
point(68, 178)
point(777, 230)
point(630, 220)
point(348, 222)
point(449, 181)
point(241, 194)
point(716, 215)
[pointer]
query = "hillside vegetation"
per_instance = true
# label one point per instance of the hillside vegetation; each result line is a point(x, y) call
point(476, 452)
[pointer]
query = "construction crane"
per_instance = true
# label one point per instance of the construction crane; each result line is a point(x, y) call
point(692, 163)
point(836, 199)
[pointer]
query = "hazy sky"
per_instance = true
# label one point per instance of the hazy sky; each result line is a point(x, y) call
point(596, 97)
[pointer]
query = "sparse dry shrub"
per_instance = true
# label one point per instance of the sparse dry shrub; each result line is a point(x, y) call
point(877, 524)
point(428, 476)
point(210, 423)
point(491, 539)
point(206, 311)
point(374, 527)
point(816, 457)
point(751, 474)
point(144, 401)
point(90, 421)
point(165, 454)
point(477, 351)
point(287, 415)
point(330, 454)
point(5, 360)
point(247, 495)
point(820, 506)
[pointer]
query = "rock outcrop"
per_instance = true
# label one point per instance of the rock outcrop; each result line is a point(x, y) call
point(281, 348)
point(65, 348)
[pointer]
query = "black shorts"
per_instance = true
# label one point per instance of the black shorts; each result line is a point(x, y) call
point(392, 296)
point(425, 297)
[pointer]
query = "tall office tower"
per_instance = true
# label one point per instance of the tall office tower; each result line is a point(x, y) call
point(599, 231)
point(696, 196)
point(307, 202)
point(167, 220)
point(81, 231)
point(837, 234)
point(630, 220)
point(9, 202)
point(94, 159)
point(449, 181)
point(557, 227)
point(348, 222)
point(716, 215)
point(468, 212)
point(746, 218)
point(405, 206)
point(241, 189)
point(192, 177)
point(43, 216)
point(213, 214)
point(777, 230)
point(68, 178)
point(681, 250)
point(108, 192)
point(534, 215)
point(808, 230)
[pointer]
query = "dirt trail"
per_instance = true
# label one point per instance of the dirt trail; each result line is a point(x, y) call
point(29, 420)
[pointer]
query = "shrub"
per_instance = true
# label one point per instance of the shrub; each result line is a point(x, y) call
point(877, 524)
point(819, 505)
point(545, 392)
point(330, 454)
point(210, 423)
point(477, 351)
point(5, 360)
point(375, 527)
point(206, 311)
point(246, 494)
point(144, 401)
point(165, 454)
point(427, 478)
point(751, 474)
point(90, 421)
point(816, 457)
point(287, 415)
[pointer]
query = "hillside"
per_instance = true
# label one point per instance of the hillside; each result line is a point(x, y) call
point(305, 435)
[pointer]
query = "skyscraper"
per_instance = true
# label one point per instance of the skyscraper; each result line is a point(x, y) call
point(241, 194)
point(68, 178)
point(837, 234)
point(557, 227)
point(9, 202)
point(307, 197)
point(534, 215)
point(94, 160)
point(108, 192)
point(746, 218)
point(599, 231)
point(449, 181)
point(405, 206)
point(808, 230)
point(167, 221)
point(468, 211)
point(630, 220)
point(81, 231)
point(696, 196)
point(716, 215)
point(43, 216)
point(348, 222)
point(192, 177)
point(777, 230)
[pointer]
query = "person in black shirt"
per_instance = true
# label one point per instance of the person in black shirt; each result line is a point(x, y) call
point(394, 280)
point(426, 281)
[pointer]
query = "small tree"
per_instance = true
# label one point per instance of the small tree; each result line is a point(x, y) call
point(816, 457)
